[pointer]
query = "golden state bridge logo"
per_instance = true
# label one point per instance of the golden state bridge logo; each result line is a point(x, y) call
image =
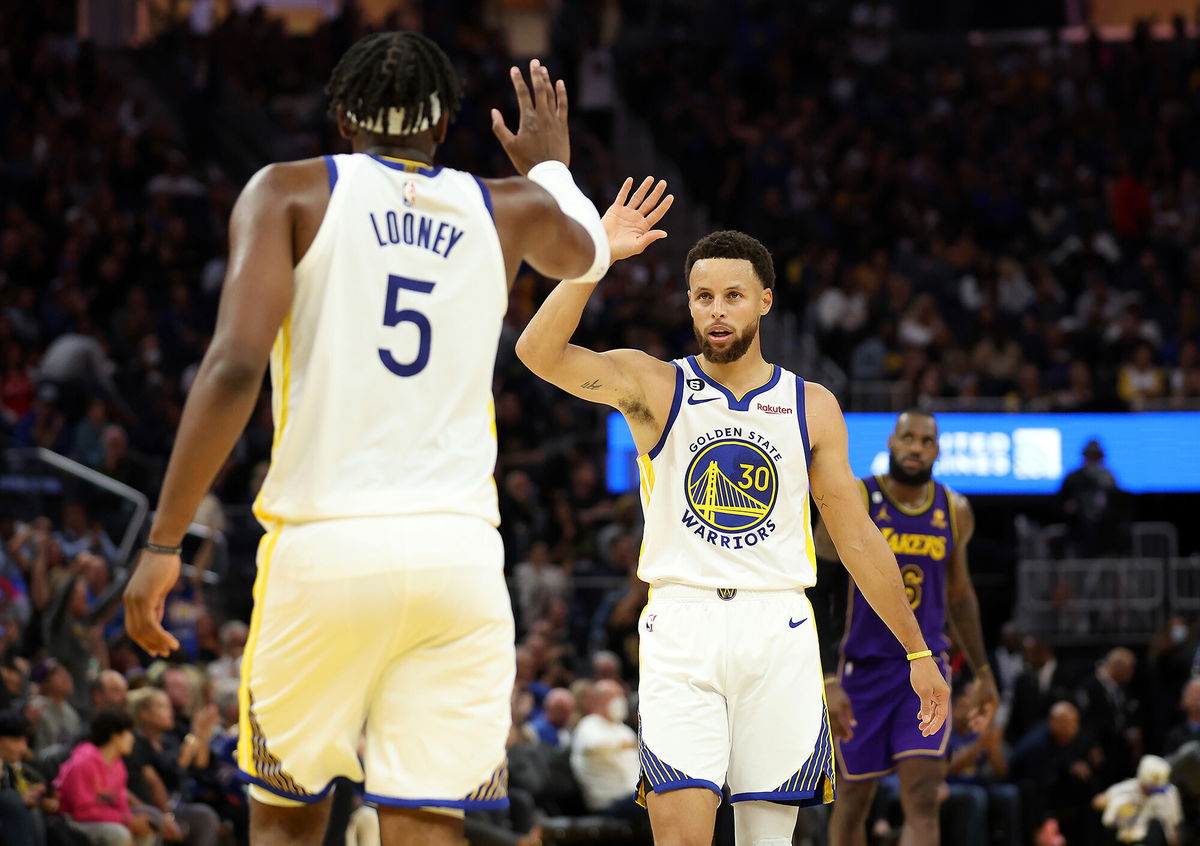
point(731, 487)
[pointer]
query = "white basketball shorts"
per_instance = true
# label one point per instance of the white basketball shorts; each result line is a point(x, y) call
point(731, 692)
point(400, 627)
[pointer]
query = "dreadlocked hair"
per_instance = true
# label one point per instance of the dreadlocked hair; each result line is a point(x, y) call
point(394, 83)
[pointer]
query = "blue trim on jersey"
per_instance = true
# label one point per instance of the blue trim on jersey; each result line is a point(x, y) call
point(487, 197)
point(668, 786)
point(331, 167)
point(461, 804)
point(397, 165)
point(676, 401)
point(795, 799)
point(736, 404)
point(305, 798)
point(803, 418)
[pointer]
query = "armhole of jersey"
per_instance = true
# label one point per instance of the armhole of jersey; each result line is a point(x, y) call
point(331, 168)
point(487, 197)
point(318, 241)
point(802, 417)
point(953, 514)
point(676, 401)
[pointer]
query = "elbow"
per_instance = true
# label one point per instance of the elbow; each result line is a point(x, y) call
point(531, 353)
point(234, 374)
point(524, 350)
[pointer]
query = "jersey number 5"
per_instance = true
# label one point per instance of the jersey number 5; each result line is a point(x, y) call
point(393, 315)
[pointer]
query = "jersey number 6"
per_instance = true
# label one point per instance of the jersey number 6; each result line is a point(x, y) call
point(393, 315)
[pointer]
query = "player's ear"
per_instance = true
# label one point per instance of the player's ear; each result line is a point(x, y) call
point(768, 299)
point(343, 125)
point(441, 128)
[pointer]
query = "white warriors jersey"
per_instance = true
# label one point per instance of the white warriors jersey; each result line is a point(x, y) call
point(725, 490)
point(382, 371)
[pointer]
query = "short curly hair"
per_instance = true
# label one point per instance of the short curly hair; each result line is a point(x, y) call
point(107, 724)
point(732, 244)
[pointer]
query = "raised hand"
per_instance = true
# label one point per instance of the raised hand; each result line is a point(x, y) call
point(629, 221)
point(542, 128)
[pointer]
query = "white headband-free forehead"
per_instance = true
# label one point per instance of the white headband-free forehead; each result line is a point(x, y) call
point(399, 122)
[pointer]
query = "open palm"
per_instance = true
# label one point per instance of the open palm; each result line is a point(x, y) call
point(630, 221)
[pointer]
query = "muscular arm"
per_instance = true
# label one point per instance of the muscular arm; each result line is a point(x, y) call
point(829, 598)
point(533, 228)
point(858, 542)
point(630, 380)
point(256, 298)
point(962, 605)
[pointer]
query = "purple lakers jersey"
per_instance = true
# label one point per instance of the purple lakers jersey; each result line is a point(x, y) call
point(923, 541)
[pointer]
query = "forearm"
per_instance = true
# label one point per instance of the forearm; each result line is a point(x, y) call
point(964, 617)
point(874, 568)
point(193, 754)
point(545, 339)
point(962, 759)
point(218, 408)
point(997, 763)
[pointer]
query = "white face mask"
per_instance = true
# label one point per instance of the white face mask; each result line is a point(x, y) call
point(618, 709)
point(1179, 633)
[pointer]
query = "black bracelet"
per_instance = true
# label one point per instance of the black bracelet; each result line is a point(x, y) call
point(158, 549)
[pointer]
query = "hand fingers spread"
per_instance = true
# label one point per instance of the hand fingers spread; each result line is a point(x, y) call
point(635, 202)
point(623, 194)
point(657, 213)
point(539, 77)
point(560, 89)
point(499, 129)
point(653, 197)
point(524, 101)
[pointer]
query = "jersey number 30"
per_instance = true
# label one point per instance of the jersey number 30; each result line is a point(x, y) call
point(393, 315)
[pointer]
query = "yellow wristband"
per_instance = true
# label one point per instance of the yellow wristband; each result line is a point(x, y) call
point(924, 653)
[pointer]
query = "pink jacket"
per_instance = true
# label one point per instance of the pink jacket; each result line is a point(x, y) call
point(92, 790)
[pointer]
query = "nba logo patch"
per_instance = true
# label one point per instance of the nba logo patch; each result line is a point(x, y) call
point(409, 193)
point(650, 622)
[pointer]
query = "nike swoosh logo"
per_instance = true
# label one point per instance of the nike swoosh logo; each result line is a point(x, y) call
point(693, 401)
point(793, 623)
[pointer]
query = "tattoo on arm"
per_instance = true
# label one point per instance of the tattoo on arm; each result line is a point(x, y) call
point(820, 501)
point(593, 385)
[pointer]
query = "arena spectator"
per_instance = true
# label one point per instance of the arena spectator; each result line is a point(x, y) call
point(1189, 729)
point(1055, 767)
point(109, 691)
point(1112, 714)
point(604, 755)
point(233, 635)
point(160, 767)
point(92, 786)
point(1042, 683)
point(23, 799)
point(59, 723)
point(553, 724)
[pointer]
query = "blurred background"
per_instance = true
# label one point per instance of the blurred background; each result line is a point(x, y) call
point(991, 211)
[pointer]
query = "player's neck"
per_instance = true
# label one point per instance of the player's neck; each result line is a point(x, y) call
point(910, 496)
point(414, 148)
point(747, 373)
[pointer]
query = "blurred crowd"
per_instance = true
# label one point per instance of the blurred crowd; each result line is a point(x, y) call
point(967, 227)
point(967, 223)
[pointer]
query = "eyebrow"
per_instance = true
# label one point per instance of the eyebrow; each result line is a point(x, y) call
point(736, 286)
